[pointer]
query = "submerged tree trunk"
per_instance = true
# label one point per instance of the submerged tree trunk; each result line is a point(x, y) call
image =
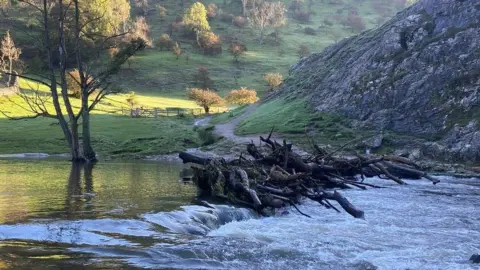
point(75, 147)
point(53, 81)
point(88, 152)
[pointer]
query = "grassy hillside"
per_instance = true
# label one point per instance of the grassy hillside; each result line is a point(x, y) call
point(160, 80)
point(159, 73)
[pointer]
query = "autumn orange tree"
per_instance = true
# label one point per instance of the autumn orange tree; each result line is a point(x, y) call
point(205, 98)
point(242, 96)
point(237, 50)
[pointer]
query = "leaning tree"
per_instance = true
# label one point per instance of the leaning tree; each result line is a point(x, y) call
point(68, 32)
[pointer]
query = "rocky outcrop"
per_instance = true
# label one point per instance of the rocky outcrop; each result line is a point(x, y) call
point(418, 74)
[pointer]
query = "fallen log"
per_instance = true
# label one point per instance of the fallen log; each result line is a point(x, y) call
point(189, 158)
point(278, 177)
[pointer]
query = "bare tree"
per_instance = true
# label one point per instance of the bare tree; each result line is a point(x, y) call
point(244, 6)
point(60, 55)
point(11, 53)
point(267, 14)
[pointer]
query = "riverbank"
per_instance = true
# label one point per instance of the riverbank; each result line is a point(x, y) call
point(113, 136)
point(161, 139)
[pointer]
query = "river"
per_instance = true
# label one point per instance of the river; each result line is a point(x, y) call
point(139, 215)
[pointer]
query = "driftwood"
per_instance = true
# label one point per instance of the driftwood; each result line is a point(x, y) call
point(276, 176)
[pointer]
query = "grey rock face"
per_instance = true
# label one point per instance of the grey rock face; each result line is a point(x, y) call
point(418, 74)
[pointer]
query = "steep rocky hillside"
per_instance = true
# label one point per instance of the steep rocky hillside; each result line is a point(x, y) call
point(417, 75)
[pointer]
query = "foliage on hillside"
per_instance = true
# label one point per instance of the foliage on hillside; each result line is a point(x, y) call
point(223, 26)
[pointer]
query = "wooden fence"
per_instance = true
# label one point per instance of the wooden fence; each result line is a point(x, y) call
point(158, 112)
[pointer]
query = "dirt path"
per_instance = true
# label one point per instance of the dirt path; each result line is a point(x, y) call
point(227, 130)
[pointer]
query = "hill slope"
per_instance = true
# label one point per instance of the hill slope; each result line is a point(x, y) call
point(417, 75)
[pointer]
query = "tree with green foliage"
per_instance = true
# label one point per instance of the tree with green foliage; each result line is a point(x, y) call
point(108, 15)
point(195, 18)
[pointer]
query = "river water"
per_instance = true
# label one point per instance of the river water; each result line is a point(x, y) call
point(139, 215)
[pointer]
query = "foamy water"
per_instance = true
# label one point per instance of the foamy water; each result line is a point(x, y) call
point(419, 226)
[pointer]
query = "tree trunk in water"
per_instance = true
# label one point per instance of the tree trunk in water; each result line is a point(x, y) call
point(88, 152)
point(53, 81)
point(207, 109)
point(75, 146)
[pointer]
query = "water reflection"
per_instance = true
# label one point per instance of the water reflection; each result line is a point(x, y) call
point(54, 189)
point(79, 198)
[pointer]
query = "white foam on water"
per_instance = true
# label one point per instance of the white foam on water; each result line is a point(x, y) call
point(81, 232)
point(419, 226)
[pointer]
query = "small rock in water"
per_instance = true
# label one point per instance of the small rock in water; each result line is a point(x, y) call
point(364, 265)
point(475, 258)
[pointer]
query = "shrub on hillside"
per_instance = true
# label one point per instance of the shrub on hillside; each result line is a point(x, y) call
point(240, 21)
point(296, 5)
point(210, 43)
point(327, 22)
point(273, 80)
point(140, 30)
point(303, 16)
point(175, 27)
point(211, 11)
point(113, 51)
point(242, 96)
point(237, 49)
point(356, 22)
point(227, 17)
point(309, 31)
point(303, 51)
point(177, 50)
point(162, 12)
point(202, 78)
point(164, 42)
point(204, 98)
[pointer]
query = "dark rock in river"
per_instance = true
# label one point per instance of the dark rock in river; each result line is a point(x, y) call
point(417, 75)
point(475, 258)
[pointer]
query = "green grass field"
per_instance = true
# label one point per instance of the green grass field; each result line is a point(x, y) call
point(114, 134)
point(160, 80)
